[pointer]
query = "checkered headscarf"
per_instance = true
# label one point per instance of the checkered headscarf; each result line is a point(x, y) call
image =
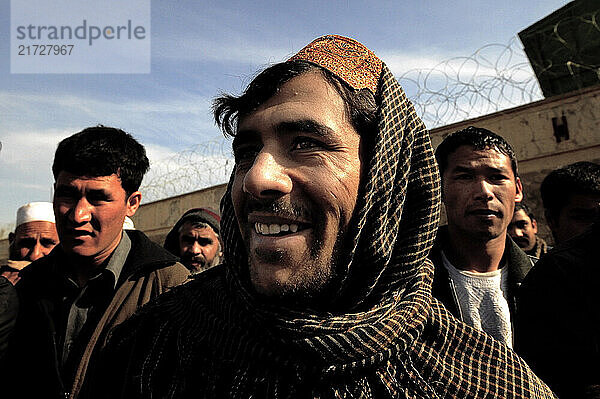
point(387, 280)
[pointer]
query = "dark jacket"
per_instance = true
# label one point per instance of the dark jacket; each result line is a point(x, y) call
point(148, 271)
point(558, 326)
point(517, 261)
point(9, 306)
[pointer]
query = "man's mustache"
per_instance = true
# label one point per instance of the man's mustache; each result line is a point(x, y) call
point(279, 208)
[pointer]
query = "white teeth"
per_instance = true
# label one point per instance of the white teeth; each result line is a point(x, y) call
point(272, 229)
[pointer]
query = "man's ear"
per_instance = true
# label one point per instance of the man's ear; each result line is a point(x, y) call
point(519, 191)
point(133, 203)
point(11, 238)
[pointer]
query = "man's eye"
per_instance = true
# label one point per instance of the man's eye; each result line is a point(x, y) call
point(244, 154)
point(204, 242)
point(498, 177)
point(96, 198)
point(463, 176)
point(306, 143)
point(65, 195)
point(188, 240)
point(26, 243)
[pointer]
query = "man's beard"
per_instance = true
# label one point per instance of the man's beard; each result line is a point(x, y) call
point(188, 260)
point(317, 273)
point(203, 264)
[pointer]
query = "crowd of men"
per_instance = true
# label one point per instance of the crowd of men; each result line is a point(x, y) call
point(325, 274)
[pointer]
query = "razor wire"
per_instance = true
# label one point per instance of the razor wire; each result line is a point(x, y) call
point(204, 165)
point(493, 78)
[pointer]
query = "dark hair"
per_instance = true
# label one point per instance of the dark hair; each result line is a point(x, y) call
point(478, 138)
point(577, 178)
point(228, 110)
point(103, 151)
point(522, 206)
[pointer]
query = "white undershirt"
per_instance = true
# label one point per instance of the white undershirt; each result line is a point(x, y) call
point(482, 300)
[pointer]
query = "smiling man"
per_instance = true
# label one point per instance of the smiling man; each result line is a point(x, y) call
point(478, 266)
point(98, 276)
point(325, 290)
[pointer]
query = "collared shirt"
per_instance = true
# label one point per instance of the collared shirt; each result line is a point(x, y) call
point(88, 303)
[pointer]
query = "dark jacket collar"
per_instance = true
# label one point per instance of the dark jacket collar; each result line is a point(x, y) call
point(517, 262)
point(144, 255)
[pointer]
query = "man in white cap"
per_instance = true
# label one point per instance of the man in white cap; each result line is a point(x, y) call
point(34, 237)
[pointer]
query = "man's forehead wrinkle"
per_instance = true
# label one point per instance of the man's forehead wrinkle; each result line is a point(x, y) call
point(304, 125)
point(73, 188)
point(482, 158)
point(284, 128)
point(469, 167)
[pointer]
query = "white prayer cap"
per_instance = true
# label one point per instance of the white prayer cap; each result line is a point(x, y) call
point(35, 212)
point(128, 224)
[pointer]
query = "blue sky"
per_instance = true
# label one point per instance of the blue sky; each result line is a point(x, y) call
point(200, 49)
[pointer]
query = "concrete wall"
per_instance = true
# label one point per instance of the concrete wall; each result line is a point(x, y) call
point(531, 130)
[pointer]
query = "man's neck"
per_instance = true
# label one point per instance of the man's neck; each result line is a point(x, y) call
point(85, 267)
point(82, 268)
point(473, 254)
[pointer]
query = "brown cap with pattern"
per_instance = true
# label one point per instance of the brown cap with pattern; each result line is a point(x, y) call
point(346, 58)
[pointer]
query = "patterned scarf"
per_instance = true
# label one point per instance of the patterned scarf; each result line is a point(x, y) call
point(212, 338)
point(387, 277)
point(540, 248)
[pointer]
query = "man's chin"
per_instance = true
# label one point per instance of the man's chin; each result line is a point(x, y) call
point(79, 250)
point(288, 285)
point(194, 265)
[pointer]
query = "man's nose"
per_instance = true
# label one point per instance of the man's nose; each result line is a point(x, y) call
point(37, 252)
point(267, 178)
point(483, 190)
point(517, 232)
point(82, 212)
point(196, 249)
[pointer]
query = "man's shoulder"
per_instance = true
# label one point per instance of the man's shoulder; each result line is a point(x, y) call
point(185, 300)
point(42, 274)
point(579, 252)
point(145, 250)
point(174, 314)
point(456, 355)
point(518, 262)
point(146, 255)
point(435, 254)
point(572, 262)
